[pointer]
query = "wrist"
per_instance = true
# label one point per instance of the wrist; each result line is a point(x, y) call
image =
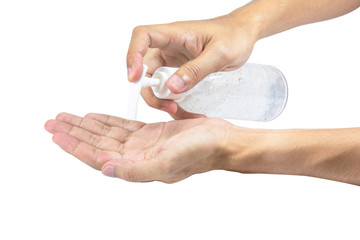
point(323, 153)
point(267, 18)
point(265, 151)
point(244, 149)
point(251, 18)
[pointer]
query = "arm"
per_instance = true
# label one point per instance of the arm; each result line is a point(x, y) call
point(274, 16)
point(327, 153)
point(172, 151)
point(224, 43)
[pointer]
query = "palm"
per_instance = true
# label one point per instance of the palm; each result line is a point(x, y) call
point(146, 151)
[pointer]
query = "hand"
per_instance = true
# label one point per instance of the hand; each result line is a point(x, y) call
point(197, 47)
point(135, 151)
point(172, 151)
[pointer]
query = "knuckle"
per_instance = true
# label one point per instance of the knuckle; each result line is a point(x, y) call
point(225, 53)
point(194, 72)
point(139, 29)
point(130, 175)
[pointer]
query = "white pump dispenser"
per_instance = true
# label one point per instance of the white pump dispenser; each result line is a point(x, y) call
point(253, 92)
point(161, 90)
point(158, 84)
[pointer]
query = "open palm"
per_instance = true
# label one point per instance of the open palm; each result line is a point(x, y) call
point(135, 151)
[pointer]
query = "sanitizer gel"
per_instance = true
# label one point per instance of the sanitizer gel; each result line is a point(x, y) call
point(253, 92)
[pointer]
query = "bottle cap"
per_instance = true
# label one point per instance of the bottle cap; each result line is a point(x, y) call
point(161, 90)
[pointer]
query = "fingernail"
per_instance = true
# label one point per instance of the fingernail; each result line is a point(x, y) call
point(177, 82)
point(109, 171)
point(129, 72)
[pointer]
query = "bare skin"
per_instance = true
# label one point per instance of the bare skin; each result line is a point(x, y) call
point(203, 42)
point(168, 151)
point(220, 44)
point(172, 151)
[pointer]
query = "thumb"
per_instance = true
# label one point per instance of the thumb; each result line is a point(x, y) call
point(192, 72)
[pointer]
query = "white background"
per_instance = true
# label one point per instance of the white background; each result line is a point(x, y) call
point(70, 56)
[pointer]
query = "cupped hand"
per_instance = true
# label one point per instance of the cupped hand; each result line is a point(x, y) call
point(197, 47)
point(135, 151)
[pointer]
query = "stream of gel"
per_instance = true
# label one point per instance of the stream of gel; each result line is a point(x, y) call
point(133, 100)
point(135, 90)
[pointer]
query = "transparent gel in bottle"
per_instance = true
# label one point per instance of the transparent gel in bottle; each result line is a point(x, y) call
point(253, 92)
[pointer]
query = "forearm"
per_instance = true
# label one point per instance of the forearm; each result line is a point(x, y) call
point(273, 16)
point(327, 153)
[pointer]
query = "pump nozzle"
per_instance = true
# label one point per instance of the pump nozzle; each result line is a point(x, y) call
point(149, 82)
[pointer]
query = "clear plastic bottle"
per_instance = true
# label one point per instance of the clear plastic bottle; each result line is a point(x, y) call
point(253, 92)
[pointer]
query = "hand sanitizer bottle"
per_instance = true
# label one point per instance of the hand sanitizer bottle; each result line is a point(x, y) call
point(253, 92)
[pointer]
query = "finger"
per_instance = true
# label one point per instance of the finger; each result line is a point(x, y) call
point(144, 37)
point(130, 170)
point(153, 60)
point(163, 104)
point(83, 151)
point(192, 72)
point(52, 127)
point(94, 126)
point(112, 121)
point(100, 142)
point(182, 114)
